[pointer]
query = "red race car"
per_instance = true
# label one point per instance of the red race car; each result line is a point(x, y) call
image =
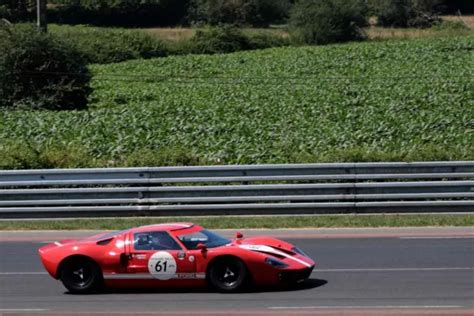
point(170, 255)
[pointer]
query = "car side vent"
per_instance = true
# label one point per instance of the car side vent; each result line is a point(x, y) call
point(275, 255)
point(104, 242)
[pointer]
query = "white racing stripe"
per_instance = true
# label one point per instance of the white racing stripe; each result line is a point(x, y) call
point(268, 249)
point(148, 276)
point(19, 310)
point(369, 307)
point(396, 269)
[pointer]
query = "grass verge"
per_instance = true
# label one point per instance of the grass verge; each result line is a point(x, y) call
point(249, 222)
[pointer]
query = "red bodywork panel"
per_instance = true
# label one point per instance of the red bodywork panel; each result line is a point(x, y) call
point(124, 266)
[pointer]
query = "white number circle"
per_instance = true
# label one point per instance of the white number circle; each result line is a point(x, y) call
point(162, 265)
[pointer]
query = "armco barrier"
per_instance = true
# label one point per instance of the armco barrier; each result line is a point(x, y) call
point(245, 189)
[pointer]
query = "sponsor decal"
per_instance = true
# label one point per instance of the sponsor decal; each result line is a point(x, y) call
point(162, 265)
point(191, 258)
point(190, 276)
point(140, 256)
point(181, 255)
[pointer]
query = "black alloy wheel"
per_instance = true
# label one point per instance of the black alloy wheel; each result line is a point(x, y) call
point(81, 276)
point(228, 275)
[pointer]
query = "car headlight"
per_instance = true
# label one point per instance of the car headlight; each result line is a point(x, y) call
point(275, 263)
point(299, 251)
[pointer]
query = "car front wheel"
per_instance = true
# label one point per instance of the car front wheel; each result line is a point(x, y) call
point(228, 275)
point(81, 275)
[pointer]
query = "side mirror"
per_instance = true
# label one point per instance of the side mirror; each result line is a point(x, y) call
point(239, 235)
point(201, 247)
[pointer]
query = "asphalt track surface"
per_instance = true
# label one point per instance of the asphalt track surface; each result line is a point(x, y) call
point(423, 274)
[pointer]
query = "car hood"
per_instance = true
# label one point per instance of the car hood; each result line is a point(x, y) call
point(278, 248)
point(267, 241)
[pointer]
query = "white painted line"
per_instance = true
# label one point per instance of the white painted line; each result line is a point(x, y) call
point(437, 237)
point(369, 307)
point(395, 269)
point(19, 310)
point(314, 271)
point(22, 273)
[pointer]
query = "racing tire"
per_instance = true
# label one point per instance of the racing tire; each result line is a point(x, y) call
point(228, 275)
point(81, 276)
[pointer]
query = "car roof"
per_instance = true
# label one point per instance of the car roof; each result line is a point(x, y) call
point(164, 227)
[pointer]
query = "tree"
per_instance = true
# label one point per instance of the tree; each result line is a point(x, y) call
point(241, 12)
point(118, 12)
point(40, 71)
point(405, 13)
point(456, 6)
point(327, 21)
point(17, 10)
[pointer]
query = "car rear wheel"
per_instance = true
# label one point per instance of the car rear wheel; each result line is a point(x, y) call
point(81, 275)
point(228, 275)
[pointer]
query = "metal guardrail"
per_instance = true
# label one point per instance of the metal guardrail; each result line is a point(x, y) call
point(250, 189)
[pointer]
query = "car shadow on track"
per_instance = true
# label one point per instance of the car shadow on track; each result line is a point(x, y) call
point(307, 285)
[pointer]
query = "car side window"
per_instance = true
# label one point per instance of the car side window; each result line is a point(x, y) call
point(154, 241)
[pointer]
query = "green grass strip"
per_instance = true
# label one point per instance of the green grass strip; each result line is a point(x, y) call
point(249, 222)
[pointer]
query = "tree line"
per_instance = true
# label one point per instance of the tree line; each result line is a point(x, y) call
point(400, 13)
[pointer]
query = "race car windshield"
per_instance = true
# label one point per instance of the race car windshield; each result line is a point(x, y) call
point(205, 237)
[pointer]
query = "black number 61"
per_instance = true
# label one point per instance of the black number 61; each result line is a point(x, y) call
point(161, 266)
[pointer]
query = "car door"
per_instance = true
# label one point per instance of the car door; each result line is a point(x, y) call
point(157, 255)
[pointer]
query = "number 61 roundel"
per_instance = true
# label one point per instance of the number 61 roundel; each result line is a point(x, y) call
point(162, 265)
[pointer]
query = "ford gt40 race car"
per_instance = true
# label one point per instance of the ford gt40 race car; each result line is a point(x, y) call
point(173, 255)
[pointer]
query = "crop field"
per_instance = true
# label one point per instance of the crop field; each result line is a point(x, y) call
point(396, 100)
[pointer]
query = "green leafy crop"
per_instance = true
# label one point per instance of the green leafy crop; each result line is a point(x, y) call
point(400, 100)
